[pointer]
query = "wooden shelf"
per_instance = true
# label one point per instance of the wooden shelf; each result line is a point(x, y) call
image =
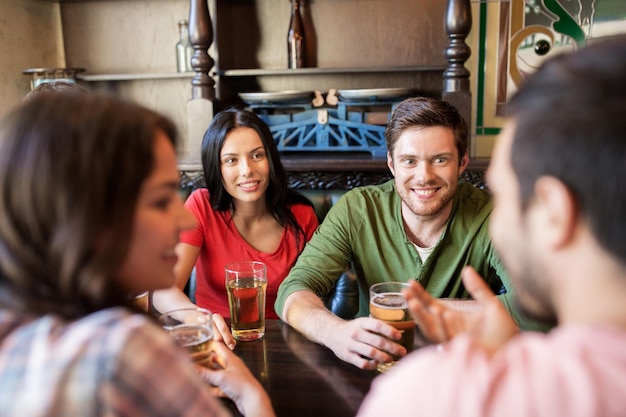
point(134, 77)
point(256, 72)
point(77, 1)
point(315, 71)
point(332, 161)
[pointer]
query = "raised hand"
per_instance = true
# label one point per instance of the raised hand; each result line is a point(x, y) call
point(485, 318)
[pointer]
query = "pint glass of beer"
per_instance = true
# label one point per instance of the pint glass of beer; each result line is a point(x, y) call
point(191, 328)
point(246, 283)
point(387, 303)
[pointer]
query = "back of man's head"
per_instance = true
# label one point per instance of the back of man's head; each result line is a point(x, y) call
point(571, 124)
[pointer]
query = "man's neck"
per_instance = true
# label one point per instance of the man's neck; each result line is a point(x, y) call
point(595, 289)
point(425, 231)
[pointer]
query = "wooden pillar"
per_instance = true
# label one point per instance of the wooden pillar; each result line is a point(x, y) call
point(200, 107)
point(201, 37)
point(456, 85)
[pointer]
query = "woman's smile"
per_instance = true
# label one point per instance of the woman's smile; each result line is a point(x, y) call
point(249, 185)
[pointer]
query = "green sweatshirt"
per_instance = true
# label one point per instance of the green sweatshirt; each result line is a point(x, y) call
point(364, 229)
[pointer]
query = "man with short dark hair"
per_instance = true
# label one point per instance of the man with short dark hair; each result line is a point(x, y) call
point(559, 222)
point(423, 225)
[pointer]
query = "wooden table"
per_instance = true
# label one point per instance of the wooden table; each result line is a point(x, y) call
point(303, 378)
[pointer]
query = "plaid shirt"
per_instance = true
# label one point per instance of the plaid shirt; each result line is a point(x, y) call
point(110, 363)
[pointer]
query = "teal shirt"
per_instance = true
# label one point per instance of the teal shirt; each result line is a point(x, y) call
point(364, 229)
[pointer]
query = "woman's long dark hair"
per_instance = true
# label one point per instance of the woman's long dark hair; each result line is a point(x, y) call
point(71, 169)
point(278, 197)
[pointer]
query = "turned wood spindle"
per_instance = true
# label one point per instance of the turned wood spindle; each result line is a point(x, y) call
point(458, 23)
point(456, 85)
point(201, 37)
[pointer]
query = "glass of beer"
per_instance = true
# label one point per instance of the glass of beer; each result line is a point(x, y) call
point(142, 301)
point(387, 303)
point(191, 328)
point(246, 283)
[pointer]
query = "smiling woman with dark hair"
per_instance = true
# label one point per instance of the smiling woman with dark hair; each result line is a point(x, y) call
point(247, 212)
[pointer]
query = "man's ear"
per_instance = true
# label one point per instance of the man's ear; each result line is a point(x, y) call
point(390, 163)
point(463, 163)
point(557, 210)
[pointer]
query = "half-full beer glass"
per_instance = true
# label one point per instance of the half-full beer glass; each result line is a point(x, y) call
point(246, 283)
point(191, 328)
point(387, 303)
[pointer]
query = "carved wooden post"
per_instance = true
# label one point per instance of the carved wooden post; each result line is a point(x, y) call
point(200, 107)
point(456, 85)
point(201, 37)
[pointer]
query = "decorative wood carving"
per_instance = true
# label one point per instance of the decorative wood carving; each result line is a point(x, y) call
point(320, 180)
point(201, 37)
point(324, 180)
point(456, 86)
point(458, 23)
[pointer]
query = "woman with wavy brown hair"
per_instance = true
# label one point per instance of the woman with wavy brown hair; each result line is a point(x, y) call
point(90, 215)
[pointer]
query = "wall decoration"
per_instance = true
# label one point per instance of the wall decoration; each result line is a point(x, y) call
point(535, 30)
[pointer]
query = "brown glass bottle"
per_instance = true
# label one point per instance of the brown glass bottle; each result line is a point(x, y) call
point(295, 38)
